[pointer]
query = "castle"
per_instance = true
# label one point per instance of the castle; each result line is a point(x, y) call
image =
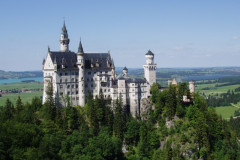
point(76, 74)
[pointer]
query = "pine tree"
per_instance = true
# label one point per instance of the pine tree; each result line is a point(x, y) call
point(19, 104)
point(170, 107)
point(119, 119)
point(50, 103)
point(8, 109)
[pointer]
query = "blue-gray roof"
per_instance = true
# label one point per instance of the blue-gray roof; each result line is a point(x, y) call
point(69, 59)
point(149, 53)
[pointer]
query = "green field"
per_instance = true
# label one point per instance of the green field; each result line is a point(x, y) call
point(215, 90)
point(26, 97)
point(226, 112)
point(32, 85)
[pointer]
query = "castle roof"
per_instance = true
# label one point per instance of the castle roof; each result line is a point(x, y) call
point(125, 68)
point(69, 59)
point(149, 53)
point(100, 60)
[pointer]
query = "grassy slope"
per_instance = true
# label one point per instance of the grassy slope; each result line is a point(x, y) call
point(226, 112)
point(216, 90)
point(32, 85)
point(26, 97)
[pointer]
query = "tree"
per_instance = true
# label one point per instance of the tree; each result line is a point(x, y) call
point(19, 104)
point(50, 103)
point(92, 114)
point(119, 119)
point(132, 134)
point(170, 106)
point(155, 91)
point(8, 110)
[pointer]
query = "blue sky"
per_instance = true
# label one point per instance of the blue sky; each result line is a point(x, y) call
point(181, 33)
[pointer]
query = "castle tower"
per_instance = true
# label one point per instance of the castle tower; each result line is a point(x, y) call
point(150, 68)
point(81, 85)
point(64, 41)
point(125, 72)
point(191, 87)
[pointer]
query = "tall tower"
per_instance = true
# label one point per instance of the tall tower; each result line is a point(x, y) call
point(64, 41)
point(150, 68)
point(191, 87)
point(81, 85)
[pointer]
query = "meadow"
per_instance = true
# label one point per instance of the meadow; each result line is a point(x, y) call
point(226, 112)
point(26, 97)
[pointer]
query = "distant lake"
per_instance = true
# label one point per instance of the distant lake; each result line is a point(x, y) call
point(37, 79)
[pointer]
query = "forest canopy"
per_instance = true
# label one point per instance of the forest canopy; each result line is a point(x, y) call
point(171, 129)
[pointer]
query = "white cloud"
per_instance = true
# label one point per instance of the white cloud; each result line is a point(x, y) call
point(236, 37)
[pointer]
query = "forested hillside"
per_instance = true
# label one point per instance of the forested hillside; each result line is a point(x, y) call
point(172, 129)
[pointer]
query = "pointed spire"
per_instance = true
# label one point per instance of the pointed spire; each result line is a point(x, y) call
point(48, 49)
point(80, 48)
point(125, 68)
point(64, 29)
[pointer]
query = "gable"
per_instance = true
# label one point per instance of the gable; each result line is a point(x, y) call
point(48, 63)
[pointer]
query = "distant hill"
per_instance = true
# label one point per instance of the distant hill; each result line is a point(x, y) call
point(17, 75)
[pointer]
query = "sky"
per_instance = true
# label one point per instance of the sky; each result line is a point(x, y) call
point(181, 33)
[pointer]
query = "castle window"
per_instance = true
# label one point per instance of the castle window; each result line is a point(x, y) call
point(77, 98)
point(132, 84)
point(76, 92)
point(105, 90)
point(91, 85)
point(72, 79)
point(66, 73)
point(82, 91)
point(61, 93)
point(61, 74)
point(72, 86)
point(68, 93)
point(76, 86)
point(76, 73)
point(60, 80)
point(108, 90)
point(76, 80)
point(91, 79)
point(86, 85)
point(87, 79)
point(68, 86)
point(61, 86)
point(66, 80)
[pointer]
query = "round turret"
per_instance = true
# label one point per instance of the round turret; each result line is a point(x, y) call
point(125, 72)
point(149, 57)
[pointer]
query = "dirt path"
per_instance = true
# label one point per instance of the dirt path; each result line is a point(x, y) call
point(235, 105)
